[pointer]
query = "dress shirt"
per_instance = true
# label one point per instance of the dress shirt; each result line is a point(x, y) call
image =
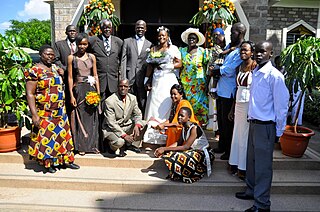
point(72, 46)
point(227, 81)
point(140, 42)
point(269, 97)
point(105, 40)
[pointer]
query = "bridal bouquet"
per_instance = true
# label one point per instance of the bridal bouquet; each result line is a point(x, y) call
point(92, 98)
point(158, 58)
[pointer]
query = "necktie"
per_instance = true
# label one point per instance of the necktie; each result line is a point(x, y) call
point(107, 46)
point(72, 47)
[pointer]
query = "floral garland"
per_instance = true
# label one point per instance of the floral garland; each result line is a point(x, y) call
point(216, 13)
point(96, 11)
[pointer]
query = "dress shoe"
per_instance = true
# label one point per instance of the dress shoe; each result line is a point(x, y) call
point(51, 170)
point(218, 150)
point(110, 151)
point(225, 156)
point(122, 153)
point(243, 195)
point(133, 148)
point(255, 209)
point(72, 166)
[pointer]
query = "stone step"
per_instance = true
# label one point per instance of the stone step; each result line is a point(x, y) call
point(151, 180)
point(146, 159)
point(33, 199)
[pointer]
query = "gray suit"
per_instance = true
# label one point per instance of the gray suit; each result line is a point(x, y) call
point(107, 63)
point(120, 119)
point(134, 67)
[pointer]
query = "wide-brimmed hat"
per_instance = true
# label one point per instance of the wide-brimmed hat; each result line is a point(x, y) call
point(185, 34)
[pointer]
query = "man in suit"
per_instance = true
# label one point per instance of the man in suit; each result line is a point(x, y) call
point(123, 120)
point(107, 49)
point(62, 50)
point(133, 62)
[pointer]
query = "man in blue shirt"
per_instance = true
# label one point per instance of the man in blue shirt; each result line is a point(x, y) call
point(226, 90)
point(268, 106)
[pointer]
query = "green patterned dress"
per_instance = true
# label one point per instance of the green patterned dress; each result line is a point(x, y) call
point(193, 79)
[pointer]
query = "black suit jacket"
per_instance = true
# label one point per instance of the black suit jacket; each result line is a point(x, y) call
point(62, 51)
point(107, 64)
point(133, 64)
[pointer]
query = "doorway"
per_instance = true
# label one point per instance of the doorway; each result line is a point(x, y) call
point(173, 14)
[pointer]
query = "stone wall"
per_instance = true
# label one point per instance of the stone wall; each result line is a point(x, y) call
point(256, 12)
point(283, 17)
point(62, 16)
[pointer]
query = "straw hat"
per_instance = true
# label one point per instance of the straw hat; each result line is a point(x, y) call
point(185, 34)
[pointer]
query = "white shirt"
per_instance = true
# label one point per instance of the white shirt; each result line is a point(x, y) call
point(105, 43)
point(140, 42)
point(74, 48)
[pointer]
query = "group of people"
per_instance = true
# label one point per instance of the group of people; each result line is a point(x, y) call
point(117, 93)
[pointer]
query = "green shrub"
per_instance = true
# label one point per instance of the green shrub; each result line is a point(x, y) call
point(311, 112)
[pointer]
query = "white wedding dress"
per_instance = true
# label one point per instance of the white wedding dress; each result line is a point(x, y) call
point(159, 101)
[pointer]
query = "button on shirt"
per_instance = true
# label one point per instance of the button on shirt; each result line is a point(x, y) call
point(269, 97)
point(140, 42)
point(227, 83)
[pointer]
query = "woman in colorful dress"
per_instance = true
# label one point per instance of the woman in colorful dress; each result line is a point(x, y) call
point(173, 128)
point(239, 111)
point(193, 146)
point(193, 73)
point(83, 79)
point(51, 141)
point(162, 61)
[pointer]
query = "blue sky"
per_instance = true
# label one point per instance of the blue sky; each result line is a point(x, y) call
point(22, 10)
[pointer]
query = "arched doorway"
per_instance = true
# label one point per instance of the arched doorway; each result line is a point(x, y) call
point(173, 14)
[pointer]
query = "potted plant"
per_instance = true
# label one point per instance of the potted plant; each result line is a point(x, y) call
point(13, 103)
point(301, 62)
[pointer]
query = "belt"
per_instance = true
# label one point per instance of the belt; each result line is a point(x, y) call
point(256, 121)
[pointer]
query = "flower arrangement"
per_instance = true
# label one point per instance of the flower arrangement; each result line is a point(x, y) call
point(96, 11)
point(92, 98)
point(213, 10)
point(158, 58)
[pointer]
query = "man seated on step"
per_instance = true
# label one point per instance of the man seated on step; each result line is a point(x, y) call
point(123, 121)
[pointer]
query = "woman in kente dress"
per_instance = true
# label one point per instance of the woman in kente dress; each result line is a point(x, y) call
point(83, 78)
point(51, 141)
point(193, 73)
point(192, 154)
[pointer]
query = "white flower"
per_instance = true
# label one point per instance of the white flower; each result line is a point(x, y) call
point(91, 80)
point(147, 49)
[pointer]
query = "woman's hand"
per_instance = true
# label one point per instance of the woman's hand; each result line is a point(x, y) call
point(73, 102)
point(159, 152)
point(36, 120)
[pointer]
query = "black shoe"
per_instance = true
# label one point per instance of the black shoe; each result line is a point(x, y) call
point(243, 195)
point(72, 166)
point(110, 151)
point(255, 209)
point(51, 170)
point(133, 149)
point(122, 153)
point(218, 150)
point(225, 156)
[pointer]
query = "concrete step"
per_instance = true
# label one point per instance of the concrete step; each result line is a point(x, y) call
point(33, 199)
point(150, 180)
point(146, 159)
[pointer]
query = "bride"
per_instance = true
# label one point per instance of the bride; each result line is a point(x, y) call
point(160, 77)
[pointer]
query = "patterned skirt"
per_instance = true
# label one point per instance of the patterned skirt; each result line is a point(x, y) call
point(187, 166)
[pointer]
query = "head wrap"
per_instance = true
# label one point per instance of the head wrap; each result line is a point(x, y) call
point(218, 30)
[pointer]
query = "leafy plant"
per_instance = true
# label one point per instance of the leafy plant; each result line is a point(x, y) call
point(301, 61)
point(13, 62)
point(96, 11)
point(213, 10)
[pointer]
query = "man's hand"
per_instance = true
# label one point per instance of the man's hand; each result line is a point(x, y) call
point(128, 138)
point(136, 132)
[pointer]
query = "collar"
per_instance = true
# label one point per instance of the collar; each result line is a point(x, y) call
point(265, 69)
point(104, 39)
point(69, 43)
point(141, 39)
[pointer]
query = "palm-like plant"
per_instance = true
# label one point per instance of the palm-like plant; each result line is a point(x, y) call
point(301, 61)
point(13, 62)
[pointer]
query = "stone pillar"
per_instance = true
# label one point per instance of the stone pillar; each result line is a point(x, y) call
point(256, 12)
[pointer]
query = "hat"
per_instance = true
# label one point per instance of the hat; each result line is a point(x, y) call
point(185, 34)
point(221, 32)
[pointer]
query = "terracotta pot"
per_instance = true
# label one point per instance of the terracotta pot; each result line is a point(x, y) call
point(295, 144)
point(10, 139)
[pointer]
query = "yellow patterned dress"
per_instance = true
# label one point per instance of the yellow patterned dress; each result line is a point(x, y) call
point(51, 143)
